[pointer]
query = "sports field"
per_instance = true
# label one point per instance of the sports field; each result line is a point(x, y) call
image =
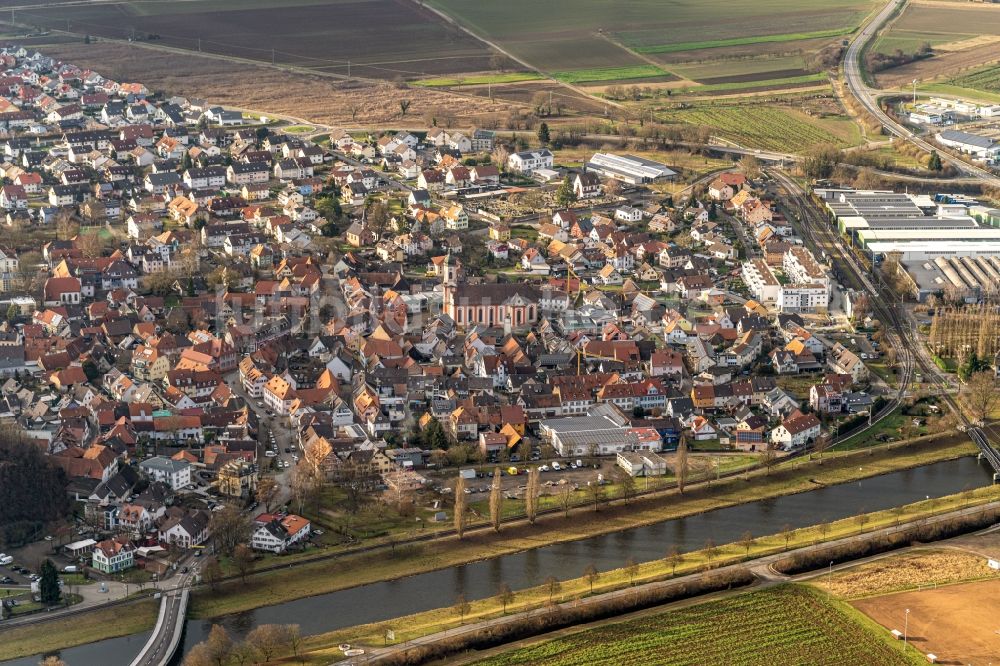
point(790, 624)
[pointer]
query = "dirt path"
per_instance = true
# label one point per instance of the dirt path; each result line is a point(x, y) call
point(450, 20)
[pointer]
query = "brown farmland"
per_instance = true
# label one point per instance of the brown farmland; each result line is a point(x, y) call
point(388, 39)
point(315, 98)
point(957, 623)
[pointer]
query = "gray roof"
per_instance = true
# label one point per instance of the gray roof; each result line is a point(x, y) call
point(163, 464)
point(966, 138)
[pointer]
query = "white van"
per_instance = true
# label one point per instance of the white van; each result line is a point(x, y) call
point(555, 466)
point(6, 559)
point(72, 568)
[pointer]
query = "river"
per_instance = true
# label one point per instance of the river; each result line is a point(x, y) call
point(386, 600)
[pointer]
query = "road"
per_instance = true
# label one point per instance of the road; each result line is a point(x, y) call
point(853, 63)
point(161, 645)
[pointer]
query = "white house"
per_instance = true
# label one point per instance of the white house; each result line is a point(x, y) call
point(796, 431)
point(174, 473)
point(529, 161)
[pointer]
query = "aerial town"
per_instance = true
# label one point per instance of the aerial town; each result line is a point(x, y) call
point(247, 362)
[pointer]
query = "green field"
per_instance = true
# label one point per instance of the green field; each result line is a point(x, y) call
point(766, 126)
point(937, 24)
point(746, 66)
point(742, 41)
point(567, 35)
point(791, 81)
point(791, 624)
point(610, 74)
point(478, 80)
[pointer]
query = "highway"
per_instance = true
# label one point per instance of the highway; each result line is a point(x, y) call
point(853, 64)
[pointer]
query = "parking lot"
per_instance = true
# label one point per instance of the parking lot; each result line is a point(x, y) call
point(513, 484)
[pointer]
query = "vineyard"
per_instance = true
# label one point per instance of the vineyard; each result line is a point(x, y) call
point(957, 332)
point(784, 625)
point(987, 78)
point(766, 126)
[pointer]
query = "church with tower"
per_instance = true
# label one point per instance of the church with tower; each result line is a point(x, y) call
point(511, 305)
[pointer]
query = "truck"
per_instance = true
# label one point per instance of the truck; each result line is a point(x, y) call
point(468, 473)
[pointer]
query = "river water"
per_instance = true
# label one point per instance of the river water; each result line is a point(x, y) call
point(382, 601)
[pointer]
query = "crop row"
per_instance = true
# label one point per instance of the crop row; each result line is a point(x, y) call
point(786, 625)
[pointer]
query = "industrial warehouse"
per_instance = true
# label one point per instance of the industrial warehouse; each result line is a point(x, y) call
point(945, 244)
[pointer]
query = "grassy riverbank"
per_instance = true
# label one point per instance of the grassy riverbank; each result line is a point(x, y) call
point(325, 576)
point(77, 630)
point(796, 476)
point(323, 647)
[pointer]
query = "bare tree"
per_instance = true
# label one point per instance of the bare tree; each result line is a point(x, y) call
point(751, 167)
point(747, 541)
point(460, 506)
point(981, 395)
point(496, 500)
point(531, 494)
point(462, 607)
point(268, 640)
point(770, 458)
point(592, 576)
point(597, 494)
point(786, 534)
point(53, 661)
point(631, 570)
point(552, 585)
point(243, 558)
point(267, 491)
point(504, 596)
point(862, 518)
point(674, 558)
point(824, 529)
point(681, 463)
point(711, 551)
point(627, 484)
point(565, 497)
point(230, 528)
point(212, 573)
point(404, 106)
point(500, 154)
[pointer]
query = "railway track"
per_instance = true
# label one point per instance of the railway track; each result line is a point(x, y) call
point(898, 325)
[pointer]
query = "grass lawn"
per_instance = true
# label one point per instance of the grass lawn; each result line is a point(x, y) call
point(77, 630)
point(478, 79)
point(960, 91)
point(890, 426)
point(299, 129)
point(790, 624)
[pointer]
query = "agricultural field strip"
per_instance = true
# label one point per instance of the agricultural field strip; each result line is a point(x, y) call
point(787, 624)
point(741, 41)
point(611, 74)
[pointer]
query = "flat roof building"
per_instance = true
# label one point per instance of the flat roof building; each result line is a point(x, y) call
point(629, 168)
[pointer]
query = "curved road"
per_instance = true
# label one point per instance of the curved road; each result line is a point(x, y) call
point(866, 96)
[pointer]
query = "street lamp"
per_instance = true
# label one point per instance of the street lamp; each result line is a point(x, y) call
point(906, 625)
point(914, 91)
